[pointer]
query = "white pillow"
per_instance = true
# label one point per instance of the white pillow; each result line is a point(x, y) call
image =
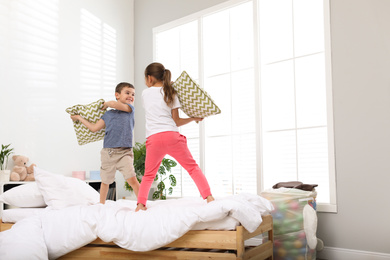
point(15, 215)
point(25, 240)
point(26, 195)
point(60, 191)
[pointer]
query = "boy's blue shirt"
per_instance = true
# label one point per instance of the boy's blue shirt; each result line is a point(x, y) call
point(119, 128)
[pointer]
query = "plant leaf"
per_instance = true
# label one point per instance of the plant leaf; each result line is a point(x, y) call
point(172, 179)
point(161, 186)
point(128, 187)
point(161, 170)
point(156, 195)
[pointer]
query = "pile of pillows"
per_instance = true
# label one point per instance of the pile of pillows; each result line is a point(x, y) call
point(50, 190)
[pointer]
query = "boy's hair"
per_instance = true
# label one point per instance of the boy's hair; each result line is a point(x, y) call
point(122, 85)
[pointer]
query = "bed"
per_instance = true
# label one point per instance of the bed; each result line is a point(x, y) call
point(195, 244)
point(171, 229)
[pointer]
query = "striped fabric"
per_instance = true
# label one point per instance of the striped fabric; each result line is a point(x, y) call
point(194, 100)
point(91, 112)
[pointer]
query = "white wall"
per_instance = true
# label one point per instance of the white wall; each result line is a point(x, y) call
point(361, 96)
point(37, 83)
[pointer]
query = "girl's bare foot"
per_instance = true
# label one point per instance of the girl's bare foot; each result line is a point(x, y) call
point(140, 206)
point(210, 198)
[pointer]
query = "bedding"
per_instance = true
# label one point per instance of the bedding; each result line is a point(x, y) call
point(17, 214)
point(52, 190)
point(27, 195)
point(56, 231)
point(227, 223)
point(70, 228)
point(60, 191)
point(26, 237)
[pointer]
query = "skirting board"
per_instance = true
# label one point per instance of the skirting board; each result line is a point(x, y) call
point(334, 253)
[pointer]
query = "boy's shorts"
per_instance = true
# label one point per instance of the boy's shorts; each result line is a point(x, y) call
point(114, 159)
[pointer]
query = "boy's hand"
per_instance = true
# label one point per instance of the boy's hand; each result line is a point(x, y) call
point(116, 105)
point(75, 118)
point(106, 105)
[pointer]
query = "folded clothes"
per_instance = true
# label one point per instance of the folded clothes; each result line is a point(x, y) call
point(296, 185)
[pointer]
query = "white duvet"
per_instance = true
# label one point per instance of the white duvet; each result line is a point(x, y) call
point(55, 232)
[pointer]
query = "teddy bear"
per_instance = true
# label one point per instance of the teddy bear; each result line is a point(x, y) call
point(21, 172)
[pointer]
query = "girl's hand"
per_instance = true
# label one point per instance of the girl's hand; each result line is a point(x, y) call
point(75, 118)
point(183, 121)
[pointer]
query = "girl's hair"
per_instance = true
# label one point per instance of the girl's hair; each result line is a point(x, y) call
point(122, 85)
point(158, 71)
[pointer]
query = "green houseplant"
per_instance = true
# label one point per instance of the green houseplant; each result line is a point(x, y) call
point(4, 154)
point(139, 151)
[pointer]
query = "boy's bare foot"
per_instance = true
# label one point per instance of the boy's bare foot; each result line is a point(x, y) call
point(210, 198)
point(140, 206)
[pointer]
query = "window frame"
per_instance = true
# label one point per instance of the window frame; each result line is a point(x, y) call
point(198, 16)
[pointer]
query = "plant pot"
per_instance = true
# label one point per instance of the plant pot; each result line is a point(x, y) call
point(4, 175)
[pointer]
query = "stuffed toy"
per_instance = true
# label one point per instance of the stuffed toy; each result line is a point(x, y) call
point(21, 172)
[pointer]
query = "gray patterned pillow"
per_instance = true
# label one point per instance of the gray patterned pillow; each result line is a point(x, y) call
point(195, 102)
point(92, 112)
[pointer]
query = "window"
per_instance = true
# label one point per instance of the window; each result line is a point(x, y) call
point(265, 63)
point(29, 55)
point(97, 57)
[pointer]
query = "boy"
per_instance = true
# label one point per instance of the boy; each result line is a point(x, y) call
point(117, 151)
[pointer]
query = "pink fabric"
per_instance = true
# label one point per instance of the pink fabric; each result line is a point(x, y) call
point(175, 145)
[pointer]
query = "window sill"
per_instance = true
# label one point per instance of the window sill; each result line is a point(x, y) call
point(326, 208)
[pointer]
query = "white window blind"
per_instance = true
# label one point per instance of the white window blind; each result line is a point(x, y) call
point(264, 63)
point(29, 46)
point(97, 57)
point(294, 95)
point(230, 139)
point(177, 49)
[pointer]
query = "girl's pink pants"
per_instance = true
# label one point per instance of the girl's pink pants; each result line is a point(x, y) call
point(175, 145)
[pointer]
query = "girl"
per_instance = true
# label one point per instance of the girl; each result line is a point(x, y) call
point(162, 121)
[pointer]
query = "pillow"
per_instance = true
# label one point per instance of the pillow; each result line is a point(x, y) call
point(92, 112)
point(25, 240)
point(60, 191)
point(25, 195)
point(195, 102)
point(15, 215)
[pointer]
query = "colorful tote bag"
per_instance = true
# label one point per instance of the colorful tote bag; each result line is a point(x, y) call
point(195, 102)
point(91, 112)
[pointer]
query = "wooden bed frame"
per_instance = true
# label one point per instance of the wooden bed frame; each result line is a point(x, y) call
point(203, 244)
